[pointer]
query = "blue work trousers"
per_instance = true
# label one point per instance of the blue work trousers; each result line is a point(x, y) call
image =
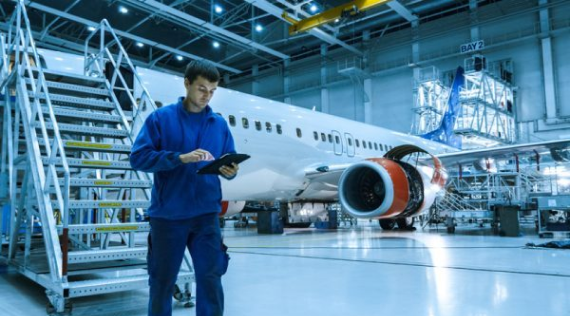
point(167, 242)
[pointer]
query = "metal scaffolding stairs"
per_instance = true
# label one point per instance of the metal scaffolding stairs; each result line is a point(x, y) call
point(76, 206)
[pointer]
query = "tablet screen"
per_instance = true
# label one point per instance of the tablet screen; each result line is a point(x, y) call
point(226, 160)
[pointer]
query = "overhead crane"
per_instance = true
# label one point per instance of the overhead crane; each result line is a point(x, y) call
point(346, 10)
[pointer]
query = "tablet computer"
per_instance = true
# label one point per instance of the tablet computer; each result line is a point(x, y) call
point(226, 160)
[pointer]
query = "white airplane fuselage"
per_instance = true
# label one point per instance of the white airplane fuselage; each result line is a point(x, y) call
point(276, 170)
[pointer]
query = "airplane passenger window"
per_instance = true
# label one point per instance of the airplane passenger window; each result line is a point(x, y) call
point(245, 122)
point(381, 148)
point(336, 139)
point(278, 128)
point(369, 144)
point(375, 146)
point(268, 127)
point(323, 137)
point(299, 133)
point(349, 141)
point(330, 138)
point(232, 120)
point(357, 143)
point(258, 125)
point(363, 144)
point(316, 135)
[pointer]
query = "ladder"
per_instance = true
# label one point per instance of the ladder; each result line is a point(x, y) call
point(76, 207)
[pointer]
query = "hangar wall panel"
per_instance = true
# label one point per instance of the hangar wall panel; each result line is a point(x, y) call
point(245, 87)
point(447, 43)
point(342, 102)
point(561, 56)
point(528, 76)
point(308, 99)
point(305, 74)
point(270, 85)
point(392, 101)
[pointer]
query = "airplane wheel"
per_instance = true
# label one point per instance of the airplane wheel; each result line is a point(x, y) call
point(406, 223)
point(299, 225)
point(387, 224)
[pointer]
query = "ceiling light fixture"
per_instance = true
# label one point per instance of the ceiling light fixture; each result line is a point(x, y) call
point(180, 58)
point(216, 44)
point(123, 10)
point(91, 28)
point(259, 28)
point(139, 44)
point(218, 9)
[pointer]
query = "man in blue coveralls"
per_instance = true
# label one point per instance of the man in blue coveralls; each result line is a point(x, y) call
point(174, 143)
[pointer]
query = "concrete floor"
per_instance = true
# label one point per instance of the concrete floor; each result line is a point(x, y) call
point(358, 271)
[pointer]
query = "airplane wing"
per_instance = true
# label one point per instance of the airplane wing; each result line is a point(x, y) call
point(557, 149)
point(321, 181)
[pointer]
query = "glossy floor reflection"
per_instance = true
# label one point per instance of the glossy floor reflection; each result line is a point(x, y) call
point(359, 271)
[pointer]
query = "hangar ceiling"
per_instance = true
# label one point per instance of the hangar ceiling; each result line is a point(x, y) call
point(235, 34)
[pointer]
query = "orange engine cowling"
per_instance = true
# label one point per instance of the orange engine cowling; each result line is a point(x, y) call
point(230, 208)
point(388, 187)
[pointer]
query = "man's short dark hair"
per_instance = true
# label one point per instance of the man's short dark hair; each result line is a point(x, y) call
point(202, 68)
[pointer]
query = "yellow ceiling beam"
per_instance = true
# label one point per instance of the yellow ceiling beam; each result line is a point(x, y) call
point(347, 9)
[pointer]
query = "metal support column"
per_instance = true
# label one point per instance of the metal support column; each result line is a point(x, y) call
point(547, 62)
point(286, 81)
point(324, 73)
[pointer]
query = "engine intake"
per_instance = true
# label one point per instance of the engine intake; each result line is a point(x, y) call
point(389, 187)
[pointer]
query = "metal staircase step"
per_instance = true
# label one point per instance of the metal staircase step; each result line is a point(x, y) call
point(91, 163)
point(125, 283)
point(106, 228)
point(84, 115)
point(96, 255)
point(96, 204)
point(86, 130)
point(90, 146)
point(108, 183)
point(66, 100)
point(74, 88)
point(72, 145)
point(66, 77)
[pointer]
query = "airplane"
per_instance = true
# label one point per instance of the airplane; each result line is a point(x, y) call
point(307, 159)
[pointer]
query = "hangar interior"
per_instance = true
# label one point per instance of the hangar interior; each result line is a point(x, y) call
point(79, 78)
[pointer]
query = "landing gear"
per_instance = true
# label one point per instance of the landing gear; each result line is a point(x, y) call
point(387, 224)
point(298, 225)
point(406, 223)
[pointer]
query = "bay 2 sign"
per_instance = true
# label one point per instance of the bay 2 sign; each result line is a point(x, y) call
point(471, 47)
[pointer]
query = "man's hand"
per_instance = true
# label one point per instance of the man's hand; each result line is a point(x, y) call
point(196, 155)
point(229, 172)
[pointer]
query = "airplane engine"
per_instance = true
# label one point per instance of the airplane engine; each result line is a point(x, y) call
point(231, 208)
point(389, 187)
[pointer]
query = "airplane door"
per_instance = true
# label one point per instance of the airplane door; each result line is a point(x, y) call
point(350, 149)
point(337, 142)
